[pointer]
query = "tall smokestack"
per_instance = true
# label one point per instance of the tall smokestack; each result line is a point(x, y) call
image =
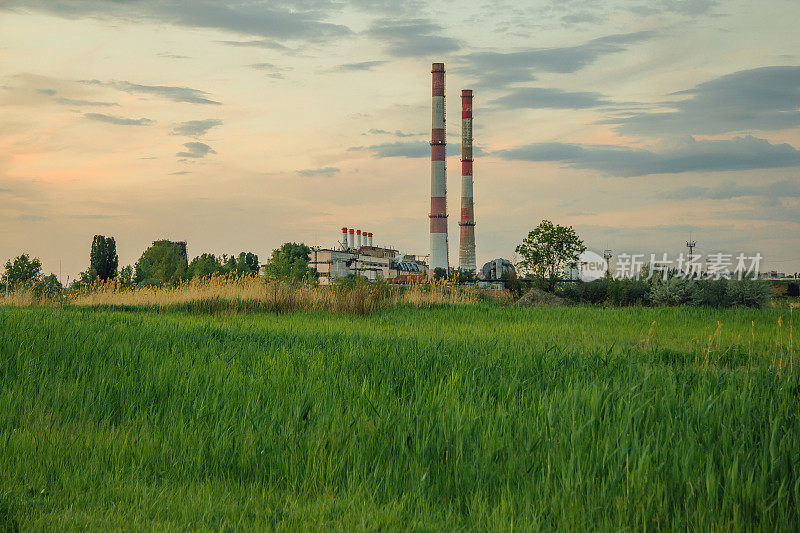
point(438, 215)
point(344, 238)
point(466, 249)
point(352, 238)
point(358, 238)
point(370, 239)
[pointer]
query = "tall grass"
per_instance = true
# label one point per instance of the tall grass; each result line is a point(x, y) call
point(246, 293)
point(476, 417)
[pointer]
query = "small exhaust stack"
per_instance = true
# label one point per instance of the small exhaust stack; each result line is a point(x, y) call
point(370, 240)
point(358, 238)
point(466, 251)
point(438, 214)
point(344, 238)
point(352, 238)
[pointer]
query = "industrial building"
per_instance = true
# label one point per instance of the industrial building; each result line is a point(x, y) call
point(357, 255)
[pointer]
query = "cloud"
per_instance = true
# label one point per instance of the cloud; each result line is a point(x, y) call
point(195, 128)
point(690, 155)
point(728, 190)
point(303, 20)
point(176, 94)
point(412, 38)
point(49, 92)
point(31, 218)
point(690, 8)
point(179, 173)
point(396, 133)
point(363, 65)
point(539, 97)
point(578, 18)
point(272, 70)
point(498, 69)
point(412, 149)
point(196, 150)
point(120, 121)
point(311, 172)
point(260, 43)
point(84, 103)
point(764, 98)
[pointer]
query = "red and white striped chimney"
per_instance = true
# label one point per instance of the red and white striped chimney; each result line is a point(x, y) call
point(352, 238)
point(344, 238)
point(370, 239)
point(358, 238)
point(438, 215)
point(466, 250)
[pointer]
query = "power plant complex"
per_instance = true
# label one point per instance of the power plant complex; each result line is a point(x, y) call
point(356, 253)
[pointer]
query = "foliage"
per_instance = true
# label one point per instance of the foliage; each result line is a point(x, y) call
point(205, 265)
point(547, 250)
point(84, 280)
point(749, 293)
point(671, 291)
point(247, 264)
point(710, 293)
point(793, 290)
point(126, 276)
point(23, 270)
point(455, 418)
point(163, 262)
point(464, 276)
point(103, 259)
point(290, 263)
point(439, 273)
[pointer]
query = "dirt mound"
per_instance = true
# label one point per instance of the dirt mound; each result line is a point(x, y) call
point(539, 298)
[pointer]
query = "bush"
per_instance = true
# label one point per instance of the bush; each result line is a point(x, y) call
point(710, 293)
point(749, 293)
point(793, 290)
point(593, 292)
point(674, 291)
point(625, 292)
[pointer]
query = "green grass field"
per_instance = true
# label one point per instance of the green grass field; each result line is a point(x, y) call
point(458, 417)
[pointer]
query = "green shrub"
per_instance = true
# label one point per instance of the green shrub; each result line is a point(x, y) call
point(624, 292)
point(673, 291)
point(749, 293)
point(793, 290)
point(710, 293)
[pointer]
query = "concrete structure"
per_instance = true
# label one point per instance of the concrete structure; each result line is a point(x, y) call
point(466, 249)
point(438, 214)
point(494, 270)
point(372, 262)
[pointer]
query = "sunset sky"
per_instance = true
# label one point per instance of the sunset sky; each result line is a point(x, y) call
point(237, 126)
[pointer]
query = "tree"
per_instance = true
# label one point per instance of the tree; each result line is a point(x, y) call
point(247, 263)
point(290, 262)
point(548, 249)
point(163, 262)
point(439, 273)
point(205, 265)
point(103, 259)
point(126, 276)
point(22, 270)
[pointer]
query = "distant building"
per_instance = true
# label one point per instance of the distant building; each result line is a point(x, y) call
point(371, 262)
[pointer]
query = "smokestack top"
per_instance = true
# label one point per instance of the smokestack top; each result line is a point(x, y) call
point(437, 67)
point(358, 231)
point(352, 231)
point(344, 230)
point(466, 93)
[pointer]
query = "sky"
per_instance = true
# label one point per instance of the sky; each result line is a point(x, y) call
point(240, 125)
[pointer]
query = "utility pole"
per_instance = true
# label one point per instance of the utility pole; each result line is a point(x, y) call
point(690, 244)
point(607, 255)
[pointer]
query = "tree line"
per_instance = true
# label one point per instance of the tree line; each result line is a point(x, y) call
point(163, 263)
